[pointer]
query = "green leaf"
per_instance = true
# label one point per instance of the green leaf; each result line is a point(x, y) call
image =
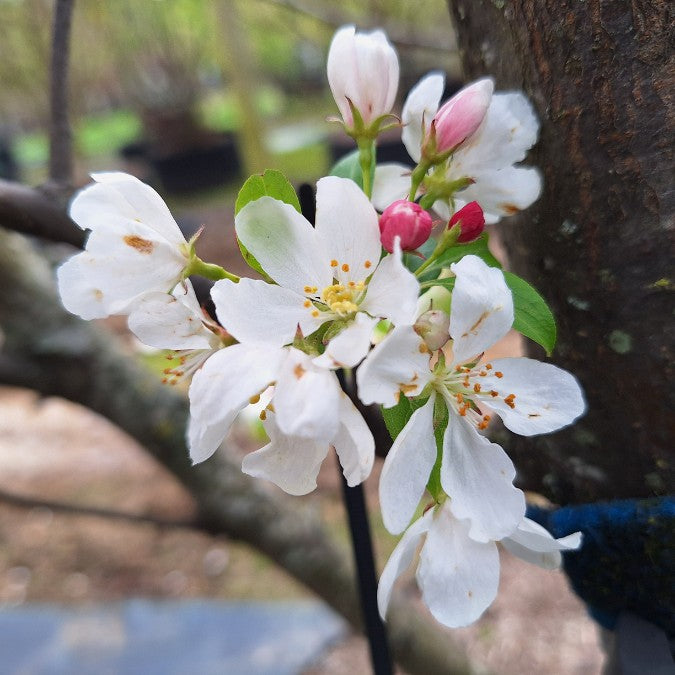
point(441, 420)
point(457, 252)
point(269, 184)
point(532, 316)
point(349, 167)
point(397, 417)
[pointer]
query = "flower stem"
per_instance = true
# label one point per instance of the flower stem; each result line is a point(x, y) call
point(366, 160)
point(209, 270)
point(418, 174)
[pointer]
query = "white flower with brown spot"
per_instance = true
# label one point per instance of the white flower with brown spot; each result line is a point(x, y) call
point(134, 247)
point(328, 273)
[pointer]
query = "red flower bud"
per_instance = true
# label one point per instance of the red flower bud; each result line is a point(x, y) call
point(406, 220)
point(471, 222)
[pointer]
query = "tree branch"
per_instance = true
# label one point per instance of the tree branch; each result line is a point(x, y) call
point(30, 211)
point(60, 134)
point(57, 354)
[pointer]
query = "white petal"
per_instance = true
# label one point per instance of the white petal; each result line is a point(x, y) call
point(393, 290)
point(341, 68)
point(306, 398)
point(399, 362)
point(284, 243)
point(117, 198)
point(547, 398)
point(254, 311)
point(223, 387)
point(457, 575)
point(478, 477)
point(349, 347)
point(482, 308)
point(400, 559)
point(290, 462)
point(391, 183)
point(508, 131)
point(346, 224)
point(534, 544)
point(170, 321)
point(418, 111)
point(504, 192)
point(354, 443)
point(406, 469)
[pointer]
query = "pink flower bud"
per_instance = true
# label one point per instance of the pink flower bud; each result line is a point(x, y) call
point(362, 68)
point(471, 222)
point(406, 220)
point(458, 118)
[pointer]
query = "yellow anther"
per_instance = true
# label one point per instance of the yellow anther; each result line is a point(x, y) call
point(263, 415)
point(476, 388)
point(483, 373)
point(498, 373)
point(345, 267)
point(367, 264)
point(488, 366)
point(254, 399)
point(311, 289)
point(307, 303)
point(333, 263)
point(315, 313)
point(494, 393)
point(460, 398)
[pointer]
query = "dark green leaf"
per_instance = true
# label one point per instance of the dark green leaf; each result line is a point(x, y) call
point(397, 417)
point(457, 252)
point(532, 316)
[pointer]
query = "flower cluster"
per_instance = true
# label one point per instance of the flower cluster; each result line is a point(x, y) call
point(342, 294)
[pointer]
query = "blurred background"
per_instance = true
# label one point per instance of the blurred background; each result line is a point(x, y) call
point(192, 97)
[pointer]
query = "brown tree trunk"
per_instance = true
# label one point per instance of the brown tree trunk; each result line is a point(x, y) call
point(598, 244)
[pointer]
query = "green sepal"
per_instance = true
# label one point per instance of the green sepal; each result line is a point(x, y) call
point(269, 184)
point(349, 167)
point(532, 316)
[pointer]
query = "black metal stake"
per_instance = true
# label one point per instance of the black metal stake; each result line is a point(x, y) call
point(362, 545)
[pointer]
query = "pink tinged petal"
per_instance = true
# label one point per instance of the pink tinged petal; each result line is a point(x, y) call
point(349, 347)
point(534, 544)
point(482, 308)
point(353, 443)
point(120, 197)
point(478, 477)
point(458, 576)
point(284, 243)
point(222, 387)
point(400, 559)
point(346, 226)
point(545, 397)
point(406, 469)
point(509, 130)
point(290, 462)
point(504, 192)
point(398, 363)
point(168, 321)
point(460, 117)
point(393, 290)
point(254, 311)
point(391, 183)
point(418, 111)
point(306, 398)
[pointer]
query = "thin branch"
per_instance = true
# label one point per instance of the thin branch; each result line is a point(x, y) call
point(26, 502)
point(60, 133)
point(30, 211)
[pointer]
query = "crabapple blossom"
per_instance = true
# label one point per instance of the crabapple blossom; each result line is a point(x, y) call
point(328, 273)
point(134, 247)
point(459, 576)
point(530, 397)
point(362, 72)
point(406, 220)
point(482, 167)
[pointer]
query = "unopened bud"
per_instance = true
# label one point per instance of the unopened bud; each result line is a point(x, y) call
point(458, 118)
point(406, 220)
point(471, 222)
point(434, 328)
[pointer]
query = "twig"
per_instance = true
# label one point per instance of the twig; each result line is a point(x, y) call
point(60, 134)
point(77, 510)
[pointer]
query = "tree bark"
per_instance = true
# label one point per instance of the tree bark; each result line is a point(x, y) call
point(57, 354)
point(598, 244)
